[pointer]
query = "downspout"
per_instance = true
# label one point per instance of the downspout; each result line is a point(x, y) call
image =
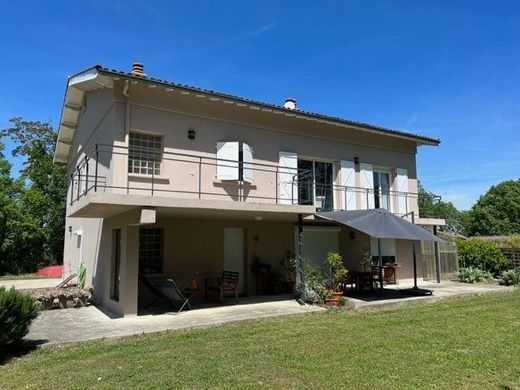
point(127, 126)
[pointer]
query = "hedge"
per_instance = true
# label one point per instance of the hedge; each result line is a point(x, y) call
point(485, 255)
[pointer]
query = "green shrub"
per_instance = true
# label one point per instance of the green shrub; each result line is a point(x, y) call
point(510, 277)
point(486, 255)
point(317, 289)
point(473, 275)
point(513, 242)
point(17, 310)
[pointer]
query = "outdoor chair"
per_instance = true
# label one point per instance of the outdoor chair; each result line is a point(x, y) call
point(227, 283)
point(350, 281)
point(377, 271)
point(165, 289)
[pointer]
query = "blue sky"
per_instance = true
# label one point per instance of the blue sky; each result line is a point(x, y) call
point(442, 68)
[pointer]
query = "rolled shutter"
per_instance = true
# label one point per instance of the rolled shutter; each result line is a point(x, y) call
point(387, 247)
point(288, 167)
point(348, 182)
point(247, 167)
point(367, 186)
point(402, 188)
point(227, 154)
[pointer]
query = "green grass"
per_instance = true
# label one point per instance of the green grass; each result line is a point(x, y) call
point(22, 276)
point(460, 343)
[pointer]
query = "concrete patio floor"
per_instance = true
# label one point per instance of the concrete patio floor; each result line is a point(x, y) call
point(394, 296)
point(22, 284)
point(90, 323)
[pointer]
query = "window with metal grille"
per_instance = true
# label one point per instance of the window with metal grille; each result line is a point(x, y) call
point(145, 154)
point(150, 251)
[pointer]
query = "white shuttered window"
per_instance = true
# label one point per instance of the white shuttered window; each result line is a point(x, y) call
point(247, 167)
point(288, 167)
point(227, 160)
point(348, 182)
point(402, 188)
point(234, 161)
point(367, 186)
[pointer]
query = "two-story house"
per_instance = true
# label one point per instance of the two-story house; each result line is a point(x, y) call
point(177, 180)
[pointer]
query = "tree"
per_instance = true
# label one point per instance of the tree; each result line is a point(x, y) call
point(6, 202)
point(497, 212)
point(35, 219)
point(431, 206)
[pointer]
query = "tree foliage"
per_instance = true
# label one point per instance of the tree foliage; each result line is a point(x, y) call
point(431, 206)
point(497, 212)
point(32, 206)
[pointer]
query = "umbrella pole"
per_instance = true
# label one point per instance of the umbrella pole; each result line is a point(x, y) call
point(414, 267)
point(414, 258)
point(380, 263)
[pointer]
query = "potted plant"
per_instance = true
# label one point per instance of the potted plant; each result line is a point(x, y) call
point(288, 269)
point(337, 273)
point(367, 261)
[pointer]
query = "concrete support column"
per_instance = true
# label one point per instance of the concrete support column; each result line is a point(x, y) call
point(437, 257)
point(302, 286)
point(129, 270)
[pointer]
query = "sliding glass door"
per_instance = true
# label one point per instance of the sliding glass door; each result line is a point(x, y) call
point(382, 190)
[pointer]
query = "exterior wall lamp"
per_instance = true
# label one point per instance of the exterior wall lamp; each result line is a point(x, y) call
point(191, 134)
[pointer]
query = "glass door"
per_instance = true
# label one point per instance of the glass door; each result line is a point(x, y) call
point(382, 190)
point(305, 182)
point(116, 264)
point(315, 184)
point(323, 183)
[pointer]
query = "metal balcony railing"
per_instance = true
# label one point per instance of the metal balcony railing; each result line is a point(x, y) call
point(194, 176)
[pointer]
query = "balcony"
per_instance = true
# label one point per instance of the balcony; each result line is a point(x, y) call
point(101, 186)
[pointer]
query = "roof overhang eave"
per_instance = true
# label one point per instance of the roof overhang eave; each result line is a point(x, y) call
point(420, 140)
point(73, 100)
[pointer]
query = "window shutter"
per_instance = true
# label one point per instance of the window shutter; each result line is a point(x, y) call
point(227, 170)
point(367, 186)
point(348, 182)
point(247, 167)
point(402, 188)
point(288, 167)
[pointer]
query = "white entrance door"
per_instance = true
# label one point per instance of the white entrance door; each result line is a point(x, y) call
point(234, 253)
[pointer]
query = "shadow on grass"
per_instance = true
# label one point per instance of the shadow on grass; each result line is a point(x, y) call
point(19, 350)
point(378, 295)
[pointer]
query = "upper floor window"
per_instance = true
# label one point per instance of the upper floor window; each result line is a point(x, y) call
point(382, 190)
point(145, 154)
point(315, 184)
point(234, 161)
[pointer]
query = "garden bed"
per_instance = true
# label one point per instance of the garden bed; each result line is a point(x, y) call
point(60, 298)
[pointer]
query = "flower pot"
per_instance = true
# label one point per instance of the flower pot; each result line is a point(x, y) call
point(331, 302)
point(337, 294)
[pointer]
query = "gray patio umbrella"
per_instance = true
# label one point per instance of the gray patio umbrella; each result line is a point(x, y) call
point(380, 223)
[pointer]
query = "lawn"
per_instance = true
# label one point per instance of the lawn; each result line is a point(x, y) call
point(460, 343)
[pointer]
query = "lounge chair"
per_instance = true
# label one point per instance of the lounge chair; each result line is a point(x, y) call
point(228, 282)
point(165, 289)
